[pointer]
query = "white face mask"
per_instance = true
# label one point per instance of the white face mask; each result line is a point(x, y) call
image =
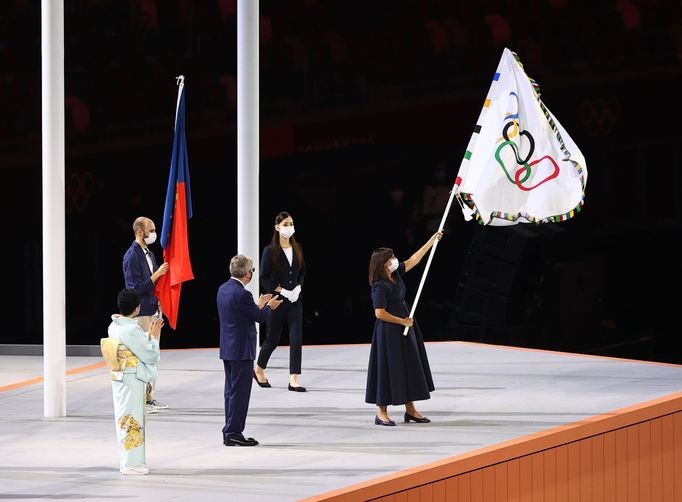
point(286, 232)
point(151, 239)
point(393, 266)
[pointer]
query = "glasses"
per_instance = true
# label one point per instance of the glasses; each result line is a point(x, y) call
point(253, 270)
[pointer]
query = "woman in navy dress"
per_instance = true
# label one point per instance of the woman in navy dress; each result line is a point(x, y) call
point(399, 371)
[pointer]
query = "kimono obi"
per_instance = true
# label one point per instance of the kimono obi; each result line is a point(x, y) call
point(118, 357)
point(127, 359)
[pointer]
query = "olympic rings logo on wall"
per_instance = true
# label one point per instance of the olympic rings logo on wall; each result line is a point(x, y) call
point(521, 174)
point(80, 187)
point(600, 115)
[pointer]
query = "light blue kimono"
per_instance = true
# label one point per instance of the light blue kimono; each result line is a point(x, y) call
point(129, 387)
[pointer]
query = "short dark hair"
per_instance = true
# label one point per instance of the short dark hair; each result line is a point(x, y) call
point(128, 300)
point(376, 264)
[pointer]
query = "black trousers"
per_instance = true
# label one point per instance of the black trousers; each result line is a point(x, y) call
point(292, 314)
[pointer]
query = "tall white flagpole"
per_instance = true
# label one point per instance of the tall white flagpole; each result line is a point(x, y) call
point(54, 254)
point(433, 251)
point(248, 134)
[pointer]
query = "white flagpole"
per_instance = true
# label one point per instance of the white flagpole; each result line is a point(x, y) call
point(248, 128)
point(54, 233)
point(433, 251)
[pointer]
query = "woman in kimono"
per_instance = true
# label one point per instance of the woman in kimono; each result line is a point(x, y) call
point(399, 371)
point(132, 355)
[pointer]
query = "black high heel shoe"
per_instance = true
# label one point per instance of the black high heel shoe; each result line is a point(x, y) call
point(422, 420)
point(265, 384)
point(378, 421)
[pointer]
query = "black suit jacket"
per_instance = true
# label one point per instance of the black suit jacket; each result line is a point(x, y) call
point(287, 276)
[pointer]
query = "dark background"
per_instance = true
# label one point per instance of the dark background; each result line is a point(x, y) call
point(359, 100)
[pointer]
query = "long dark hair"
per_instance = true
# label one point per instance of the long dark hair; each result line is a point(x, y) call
point(376, 264)
point(277, 247)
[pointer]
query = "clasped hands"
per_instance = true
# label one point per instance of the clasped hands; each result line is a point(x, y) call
point(155, 328)
point(291, 294)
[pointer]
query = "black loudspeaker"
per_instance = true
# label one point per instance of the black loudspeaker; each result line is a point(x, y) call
point(512, 244)
point(490, 274)
point(554, 241)
point(474, 306)
point(500, 277)
point(502, 259)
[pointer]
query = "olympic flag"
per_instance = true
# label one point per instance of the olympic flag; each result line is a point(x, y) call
point(520, 165)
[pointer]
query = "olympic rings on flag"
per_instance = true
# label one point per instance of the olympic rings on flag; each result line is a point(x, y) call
point(522, 173)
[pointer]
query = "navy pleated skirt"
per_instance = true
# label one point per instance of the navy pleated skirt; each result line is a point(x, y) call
point(399, 369)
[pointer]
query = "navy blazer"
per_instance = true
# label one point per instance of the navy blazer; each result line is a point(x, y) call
point(287, 276)
point(137, 276)
point(238, 314)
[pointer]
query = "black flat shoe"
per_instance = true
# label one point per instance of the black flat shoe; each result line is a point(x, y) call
point(296, 389)
point(266, 384)
point(422, 420)
point(378, 421)
point(240, 442)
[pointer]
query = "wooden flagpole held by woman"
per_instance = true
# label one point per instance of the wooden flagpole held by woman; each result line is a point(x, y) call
point(433, 250)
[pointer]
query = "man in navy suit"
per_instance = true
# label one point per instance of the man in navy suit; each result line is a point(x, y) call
point(238, 314)
point(140, 272)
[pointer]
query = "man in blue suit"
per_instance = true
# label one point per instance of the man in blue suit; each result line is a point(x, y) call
point(238, 314)
point(140, 272)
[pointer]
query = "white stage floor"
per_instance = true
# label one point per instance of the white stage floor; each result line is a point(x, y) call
point(310, 442)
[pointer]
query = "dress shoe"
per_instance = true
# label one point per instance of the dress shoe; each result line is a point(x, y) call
point(422, 420)
point(265, 384)
point(240, 441)
point(378, 421)
point(297, 388)
point(135, 469)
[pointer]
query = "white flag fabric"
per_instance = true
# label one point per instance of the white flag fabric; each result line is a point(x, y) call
point(520, 166)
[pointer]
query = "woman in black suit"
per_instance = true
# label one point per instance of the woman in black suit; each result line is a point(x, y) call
point(282, 271)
